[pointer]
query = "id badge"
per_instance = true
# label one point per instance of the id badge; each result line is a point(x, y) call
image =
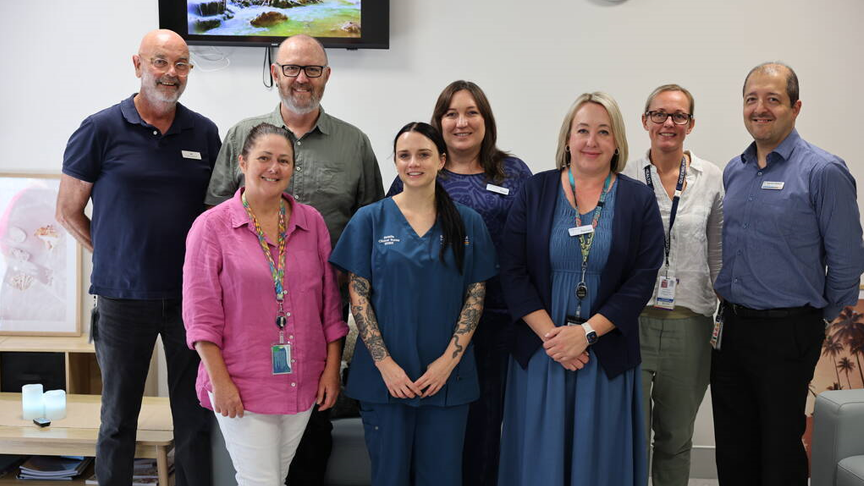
point(717, 333)
point(280, 355)
point(575, 321)
point(581, 230)
point(665, 293)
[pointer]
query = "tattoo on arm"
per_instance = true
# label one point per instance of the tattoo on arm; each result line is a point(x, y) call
point(364, 316)
point(469, 317)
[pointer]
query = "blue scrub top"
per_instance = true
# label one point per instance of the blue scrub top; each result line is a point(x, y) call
point(416, 298)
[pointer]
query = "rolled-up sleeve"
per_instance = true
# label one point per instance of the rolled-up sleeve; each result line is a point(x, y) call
point(226, 177)
point(840, 225)
point(203, 312)
point(331, 313)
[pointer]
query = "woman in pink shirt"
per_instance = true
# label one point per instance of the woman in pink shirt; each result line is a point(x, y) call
point(262, 308)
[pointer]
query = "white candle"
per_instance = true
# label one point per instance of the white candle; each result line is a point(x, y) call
point(31, 401)
point(55, 404)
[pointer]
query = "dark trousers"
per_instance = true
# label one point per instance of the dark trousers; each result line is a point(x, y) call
point(310, 460)
point(414, 446)
point(125, 333)
point(759, 386)
point(483, 432)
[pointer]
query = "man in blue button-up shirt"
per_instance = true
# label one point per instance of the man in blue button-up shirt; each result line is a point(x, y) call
point(792, 255)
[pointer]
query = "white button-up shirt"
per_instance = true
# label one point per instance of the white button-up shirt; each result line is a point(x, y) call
point(695, 253)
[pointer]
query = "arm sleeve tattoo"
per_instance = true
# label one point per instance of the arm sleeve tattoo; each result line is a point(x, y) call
point(469, 317)
point(364, 316)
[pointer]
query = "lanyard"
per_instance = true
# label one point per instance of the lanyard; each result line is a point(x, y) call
point(277, 271)
point(679, 188)
point(586, 240)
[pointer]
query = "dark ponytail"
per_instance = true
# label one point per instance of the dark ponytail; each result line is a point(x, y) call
point(452, 226)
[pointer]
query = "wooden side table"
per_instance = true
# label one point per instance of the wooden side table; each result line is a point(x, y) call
point(76, 434)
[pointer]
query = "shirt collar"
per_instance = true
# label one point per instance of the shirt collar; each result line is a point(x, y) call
point(298, 219)
point(324, 123)
point(182, 118)
point(695, 162)
point(784, 150)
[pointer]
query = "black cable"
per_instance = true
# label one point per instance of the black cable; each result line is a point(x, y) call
point(267, 73)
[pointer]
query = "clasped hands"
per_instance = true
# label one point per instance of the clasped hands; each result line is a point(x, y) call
point(400, 386)
point(568, 346)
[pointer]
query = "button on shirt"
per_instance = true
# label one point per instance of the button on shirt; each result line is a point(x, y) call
point(695, 252)
point(229, 300)
point(335, 169)
point(785, 224)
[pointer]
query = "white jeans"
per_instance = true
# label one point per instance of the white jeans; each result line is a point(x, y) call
point(262, 446)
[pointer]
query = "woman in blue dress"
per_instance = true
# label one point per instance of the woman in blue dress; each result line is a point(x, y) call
point(581, 251)
point(481, 176)
point(417, 264)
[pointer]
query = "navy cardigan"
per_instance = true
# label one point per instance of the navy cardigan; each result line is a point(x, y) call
point(626, 283)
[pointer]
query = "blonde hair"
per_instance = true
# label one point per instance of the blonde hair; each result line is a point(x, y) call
point(671, 87)
point(562, 156)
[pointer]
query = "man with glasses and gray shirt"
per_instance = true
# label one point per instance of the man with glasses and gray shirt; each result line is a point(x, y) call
point(335, 171)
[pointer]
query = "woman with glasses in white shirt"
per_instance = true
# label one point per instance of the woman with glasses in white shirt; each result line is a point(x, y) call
point(675, 327)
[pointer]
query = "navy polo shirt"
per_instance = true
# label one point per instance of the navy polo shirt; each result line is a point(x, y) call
point(148, 188)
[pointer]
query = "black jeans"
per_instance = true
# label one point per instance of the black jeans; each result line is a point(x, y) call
point(483, 433)
point(759, 386)
point(125, 333)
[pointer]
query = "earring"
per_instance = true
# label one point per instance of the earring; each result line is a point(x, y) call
point(567, 148)
point(616, 151)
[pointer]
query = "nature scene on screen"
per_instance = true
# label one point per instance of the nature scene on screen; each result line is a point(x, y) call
point(277, 18)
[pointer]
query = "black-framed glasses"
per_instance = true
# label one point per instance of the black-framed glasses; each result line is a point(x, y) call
point(182, 68)
point(293, 70)
point(659, 117)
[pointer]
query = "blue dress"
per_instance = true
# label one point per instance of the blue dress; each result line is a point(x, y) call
point(565, 428)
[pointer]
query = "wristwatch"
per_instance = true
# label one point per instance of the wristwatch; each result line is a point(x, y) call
point(590, 333)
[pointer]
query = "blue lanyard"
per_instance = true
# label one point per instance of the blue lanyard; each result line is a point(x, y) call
point(586, 241)
point(679, 188)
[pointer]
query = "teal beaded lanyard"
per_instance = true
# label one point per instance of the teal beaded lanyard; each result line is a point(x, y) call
point(586, 240)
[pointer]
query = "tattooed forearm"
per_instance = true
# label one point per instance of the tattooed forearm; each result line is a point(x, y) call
point(364, 316)
point(469, 317)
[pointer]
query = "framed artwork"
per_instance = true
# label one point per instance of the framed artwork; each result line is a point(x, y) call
point(40, 263)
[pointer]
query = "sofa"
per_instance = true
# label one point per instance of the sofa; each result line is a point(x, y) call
point(837, 452)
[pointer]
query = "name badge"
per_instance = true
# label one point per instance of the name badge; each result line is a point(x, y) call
point(498, 189)
point(281, 358)
point(776, 186)
point(581, 230)
point(665, 293)
point(188, 154)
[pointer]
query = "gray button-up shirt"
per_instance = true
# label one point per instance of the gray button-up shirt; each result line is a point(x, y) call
point(335, 169)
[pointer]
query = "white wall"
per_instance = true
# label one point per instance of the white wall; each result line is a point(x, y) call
point(64, 59)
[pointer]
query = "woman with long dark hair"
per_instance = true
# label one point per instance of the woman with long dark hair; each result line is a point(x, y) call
point(417, 264)
point(483, 177)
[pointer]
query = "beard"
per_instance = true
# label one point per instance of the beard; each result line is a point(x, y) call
point(150, 88)
point(302, 106)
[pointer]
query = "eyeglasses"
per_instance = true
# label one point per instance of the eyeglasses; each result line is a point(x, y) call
point(180, 67)
point(660, 117)
point(293, 70)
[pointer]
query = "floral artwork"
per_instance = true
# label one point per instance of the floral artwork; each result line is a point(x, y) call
point(38, 260)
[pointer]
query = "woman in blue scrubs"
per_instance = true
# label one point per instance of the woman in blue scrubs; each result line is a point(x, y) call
point(580, 256)
point(418, 263)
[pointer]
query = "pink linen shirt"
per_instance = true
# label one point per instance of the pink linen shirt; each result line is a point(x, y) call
point(229, 300)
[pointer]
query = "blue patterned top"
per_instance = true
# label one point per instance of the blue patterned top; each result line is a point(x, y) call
point(470, 190)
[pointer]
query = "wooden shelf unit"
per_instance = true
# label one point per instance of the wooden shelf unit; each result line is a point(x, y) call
point(82, 371)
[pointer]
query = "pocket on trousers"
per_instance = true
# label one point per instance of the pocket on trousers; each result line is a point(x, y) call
point(371, 428)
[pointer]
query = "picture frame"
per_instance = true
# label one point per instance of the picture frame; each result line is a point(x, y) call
point(40, 262)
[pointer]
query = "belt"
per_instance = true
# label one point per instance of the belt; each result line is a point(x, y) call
point(779, 313)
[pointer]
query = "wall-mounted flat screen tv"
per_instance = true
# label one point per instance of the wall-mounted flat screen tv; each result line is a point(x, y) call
point(352, 24)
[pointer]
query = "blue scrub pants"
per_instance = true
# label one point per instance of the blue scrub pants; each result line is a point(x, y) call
point(417, 446)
